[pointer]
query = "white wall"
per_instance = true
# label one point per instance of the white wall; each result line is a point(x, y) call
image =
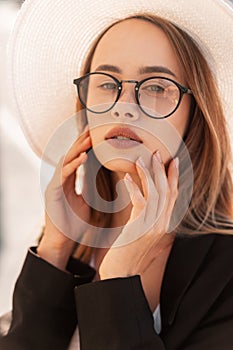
point(21, 205)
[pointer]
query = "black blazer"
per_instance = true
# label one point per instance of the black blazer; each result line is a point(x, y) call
point(196, 304)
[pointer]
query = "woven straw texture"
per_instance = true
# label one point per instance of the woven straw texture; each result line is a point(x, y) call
point(51, 39)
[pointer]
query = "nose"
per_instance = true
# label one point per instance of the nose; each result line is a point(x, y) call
point(123, 110)
point(126, 106)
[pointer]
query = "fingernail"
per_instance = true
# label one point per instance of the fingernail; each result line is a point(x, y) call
point(83, 157)
point(177, 162)
point(86, 128)
point(141, 162)
point(158, 157)
point(128, 177)
point(129, 184)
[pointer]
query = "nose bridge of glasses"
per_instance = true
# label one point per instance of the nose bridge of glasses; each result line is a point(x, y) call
point(127, 101)
point(126, 91)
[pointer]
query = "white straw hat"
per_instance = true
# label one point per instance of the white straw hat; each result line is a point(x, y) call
point(51, 39)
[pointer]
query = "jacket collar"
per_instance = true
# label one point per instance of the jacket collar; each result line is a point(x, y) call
point(186, 256)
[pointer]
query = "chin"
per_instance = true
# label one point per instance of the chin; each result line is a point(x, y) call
point(114, 160)
point(123, 160)
point(121, 165)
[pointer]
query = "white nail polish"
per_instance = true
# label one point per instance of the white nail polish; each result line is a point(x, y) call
point(177, 162)
point(141, 162)
point(158, 157)
point(129, 184)
point(128, 177)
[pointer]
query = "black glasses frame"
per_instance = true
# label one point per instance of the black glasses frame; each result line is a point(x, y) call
point(182, 89)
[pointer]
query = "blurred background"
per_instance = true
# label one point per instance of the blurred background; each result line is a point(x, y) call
point(21, 208)
point(21, 211)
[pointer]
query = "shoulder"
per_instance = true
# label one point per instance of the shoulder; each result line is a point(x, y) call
point(212, 253)
point(221, 252)
point(202, 265)
point(223, 241)
point(219, 244)
point(222, 248)
point(218, 262)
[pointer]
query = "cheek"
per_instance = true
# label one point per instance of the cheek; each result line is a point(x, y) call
point(97, 136)
point(95, 128)
point(167, 149)
point(181, 125)
point(94, 137)
point(180, 119)
point(164, 135)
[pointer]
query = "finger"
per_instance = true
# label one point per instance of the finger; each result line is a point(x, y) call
point(172, 193)
point(137, 199)
point(82, 144)
point(173, 179)
point(71, 167)
point(86, 128)
point(148, 185)
point(56, 179)
point(160, 179)
point(151, 195)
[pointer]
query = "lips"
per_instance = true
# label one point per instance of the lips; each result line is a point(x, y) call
point(122, 133)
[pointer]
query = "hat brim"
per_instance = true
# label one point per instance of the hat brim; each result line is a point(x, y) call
point(50, 41)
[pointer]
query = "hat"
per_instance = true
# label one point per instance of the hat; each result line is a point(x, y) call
point(51, 39)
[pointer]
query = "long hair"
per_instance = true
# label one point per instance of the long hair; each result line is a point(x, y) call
point(207, 140)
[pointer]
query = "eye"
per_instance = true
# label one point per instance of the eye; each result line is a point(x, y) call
point(154, 88)
point(108, 86)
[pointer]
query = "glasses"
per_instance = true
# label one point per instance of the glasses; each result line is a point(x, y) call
point(157, 97)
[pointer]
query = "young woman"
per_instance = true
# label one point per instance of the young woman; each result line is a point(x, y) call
point(144, 260)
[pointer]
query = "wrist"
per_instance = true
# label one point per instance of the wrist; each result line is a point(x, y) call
point(56, 254)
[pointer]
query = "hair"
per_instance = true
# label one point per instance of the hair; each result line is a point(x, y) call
point(207, 140)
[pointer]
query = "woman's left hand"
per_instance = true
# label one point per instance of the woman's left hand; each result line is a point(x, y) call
point(145, 234)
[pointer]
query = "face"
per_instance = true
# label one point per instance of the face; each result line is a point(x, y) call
point(135, 50)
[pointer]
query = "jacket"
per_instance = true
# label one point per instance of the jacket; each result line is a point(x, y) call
point(196, 303)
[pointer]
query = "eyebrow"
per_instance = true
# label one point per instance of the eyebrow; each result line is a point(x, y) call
point(108, 68)
point(142, 70)
point(156, 69)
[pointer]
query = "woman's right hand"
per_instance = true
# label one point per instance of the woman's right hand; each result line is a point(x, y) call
point(64, 208)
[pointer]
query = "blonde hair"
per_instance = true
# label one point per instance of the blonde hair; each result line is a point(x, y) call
point(207, 141)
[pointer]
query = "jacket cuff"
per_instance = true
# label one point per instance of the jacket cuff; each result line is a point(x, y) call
point(115, 305)
point(47, 283)
point(44, 314)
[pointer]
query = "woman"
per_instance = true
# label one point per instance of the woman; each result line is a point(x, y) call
point(153, 269)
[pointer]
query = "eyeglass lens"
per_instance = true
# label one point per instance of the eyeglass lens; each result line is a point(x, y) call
point(157, 97)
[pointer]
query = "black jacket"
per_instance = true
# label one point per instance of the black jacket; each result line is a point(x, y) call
point(196, 304)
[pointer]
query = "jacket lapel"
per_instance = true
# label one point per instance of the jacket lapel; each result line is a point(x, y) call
point(185, 258)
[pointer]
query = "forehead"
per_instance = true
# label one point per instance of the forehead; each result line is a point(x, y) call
point(134, 43)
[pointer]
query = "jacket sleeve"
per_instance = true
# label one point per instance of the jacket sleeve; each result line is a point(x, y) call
point(43, 315)
point(114, 314)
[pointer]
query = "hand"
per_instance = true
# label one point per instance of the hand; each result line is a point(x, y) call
point(149, 220)
point(64, 208)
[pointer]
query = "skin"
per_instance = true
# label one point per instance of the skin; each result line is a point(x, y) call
point(145, 45)
point(151, 181)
